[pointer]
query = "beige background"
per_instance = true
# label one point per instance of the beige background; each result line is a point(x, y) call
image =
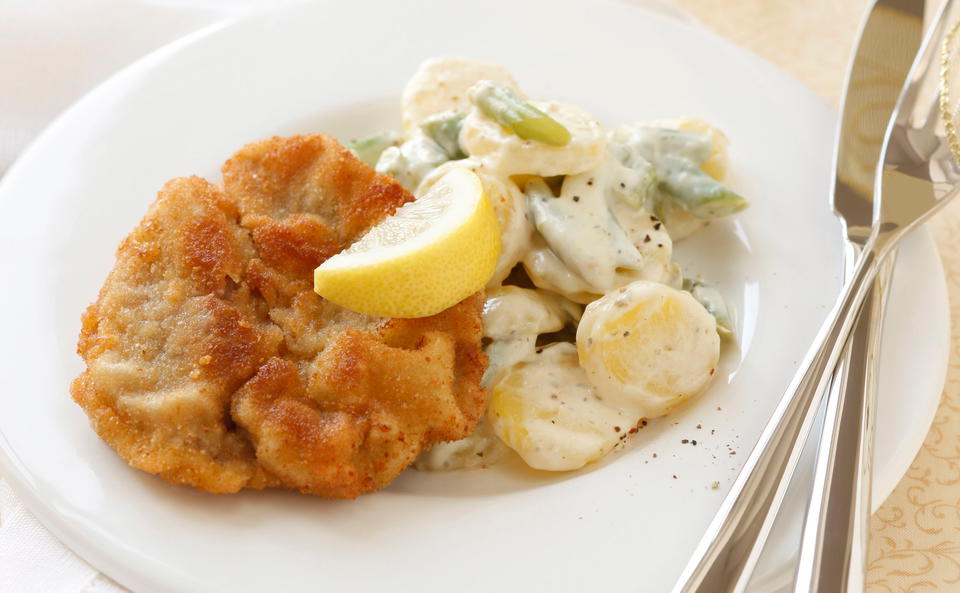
point(915, 539)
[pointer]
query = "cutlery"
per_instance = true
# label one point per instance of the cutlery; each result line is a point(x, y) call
point(918, 176)
point(840, 503)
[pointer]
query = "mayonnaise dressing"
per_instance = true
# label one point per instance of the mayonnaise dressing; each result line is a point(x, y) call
point(411, 161)
point(481, 449)
point(580, 229)
point(547, 411)
point(642, 346)
point(441, 84)
point(513, 318)
point(647, 347)
point(547, 271)
point(596, 237)
point(505, 154)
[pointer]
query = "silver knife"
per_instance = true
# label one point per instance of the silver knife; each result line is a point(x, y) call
point(731, 545)
point(833, 549)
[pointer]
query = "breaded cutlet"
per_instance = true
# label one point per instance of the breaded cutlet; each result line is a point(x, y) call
point(212, 363)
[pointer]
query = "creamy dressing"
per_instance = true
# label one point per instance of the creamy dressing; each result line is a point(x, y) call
point(580, 229)
point(510, 312)
point(505, 154)
point(643, 346)
point(652, 143)
point(441, 84)
point(411, 161)
point(481, 449)
point(680, 225)
point(513, 318)
point(547, 271)
point(648, 347)
point(596, 237)
point(547, 411)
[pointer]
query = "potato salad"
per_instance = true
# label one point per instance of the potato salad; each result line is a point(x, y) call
point(591, 328)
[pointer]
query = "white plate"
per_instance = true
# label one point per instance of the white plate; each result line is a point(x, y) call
point(629, 522)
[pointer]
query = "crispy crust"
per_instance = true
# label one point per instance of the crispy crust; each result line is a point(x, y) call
point(212, 363)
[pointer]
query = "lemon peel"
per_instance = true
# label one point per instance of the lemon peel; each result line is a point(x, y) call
point(429, 255)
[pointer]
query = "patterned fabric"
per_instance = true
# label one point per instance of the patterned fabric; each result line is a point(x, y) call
point(915, 536)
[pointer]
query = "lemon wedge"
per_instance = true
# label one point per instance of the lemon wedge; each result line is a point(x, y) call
point(432, 253)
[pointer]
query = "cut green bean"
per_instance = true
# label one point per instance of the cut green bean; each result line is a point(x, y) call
point(711, 299)
point(680, 224)
point(501, 355)
point(369, 148)
point(695, 191)
point(444, 129)
point(653, 143)
point(636, 179)
point(676, 157)
point(659, 142)
point(582, 233)
point(504, 106)
point(410, 162)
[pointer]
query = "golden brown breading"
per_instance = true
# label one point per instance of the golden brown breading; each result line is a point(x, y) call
point(211, 361)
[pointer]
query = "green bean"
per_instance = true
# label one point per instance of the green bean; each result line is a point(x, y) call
point(711, 299)
point(582, 233)
point(539, 196)
point(410, 162)
point(680, 224)
point(369, 148)
point(673, 159)
point(693, 146)
point(506, 108)
point(551, 223)
point(444, 129)
point(653, 143)
point(695, 191)
point(636, 180)
point(501, 355)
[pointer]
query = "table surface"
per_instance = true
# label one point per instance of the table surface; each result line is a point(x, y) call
point(915, 536)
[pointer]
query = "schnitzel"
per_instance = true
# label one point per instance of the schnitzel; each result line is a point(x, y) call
point(212, 363)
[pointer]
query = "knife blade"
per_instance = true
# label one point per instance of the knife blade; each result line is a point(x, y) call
point(840, 503)
point(728, 551)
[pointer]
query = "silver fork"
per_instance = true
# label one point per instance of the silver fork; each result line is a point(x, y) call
point(918, 176)
point(833, 548)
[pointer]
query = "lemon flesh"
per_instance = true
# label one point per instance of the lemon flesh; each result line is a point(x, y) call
point(432, 253)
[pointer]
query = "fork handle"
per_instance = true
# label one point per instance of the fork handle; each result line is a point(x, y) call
point(728, 551)
point(833, 550)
